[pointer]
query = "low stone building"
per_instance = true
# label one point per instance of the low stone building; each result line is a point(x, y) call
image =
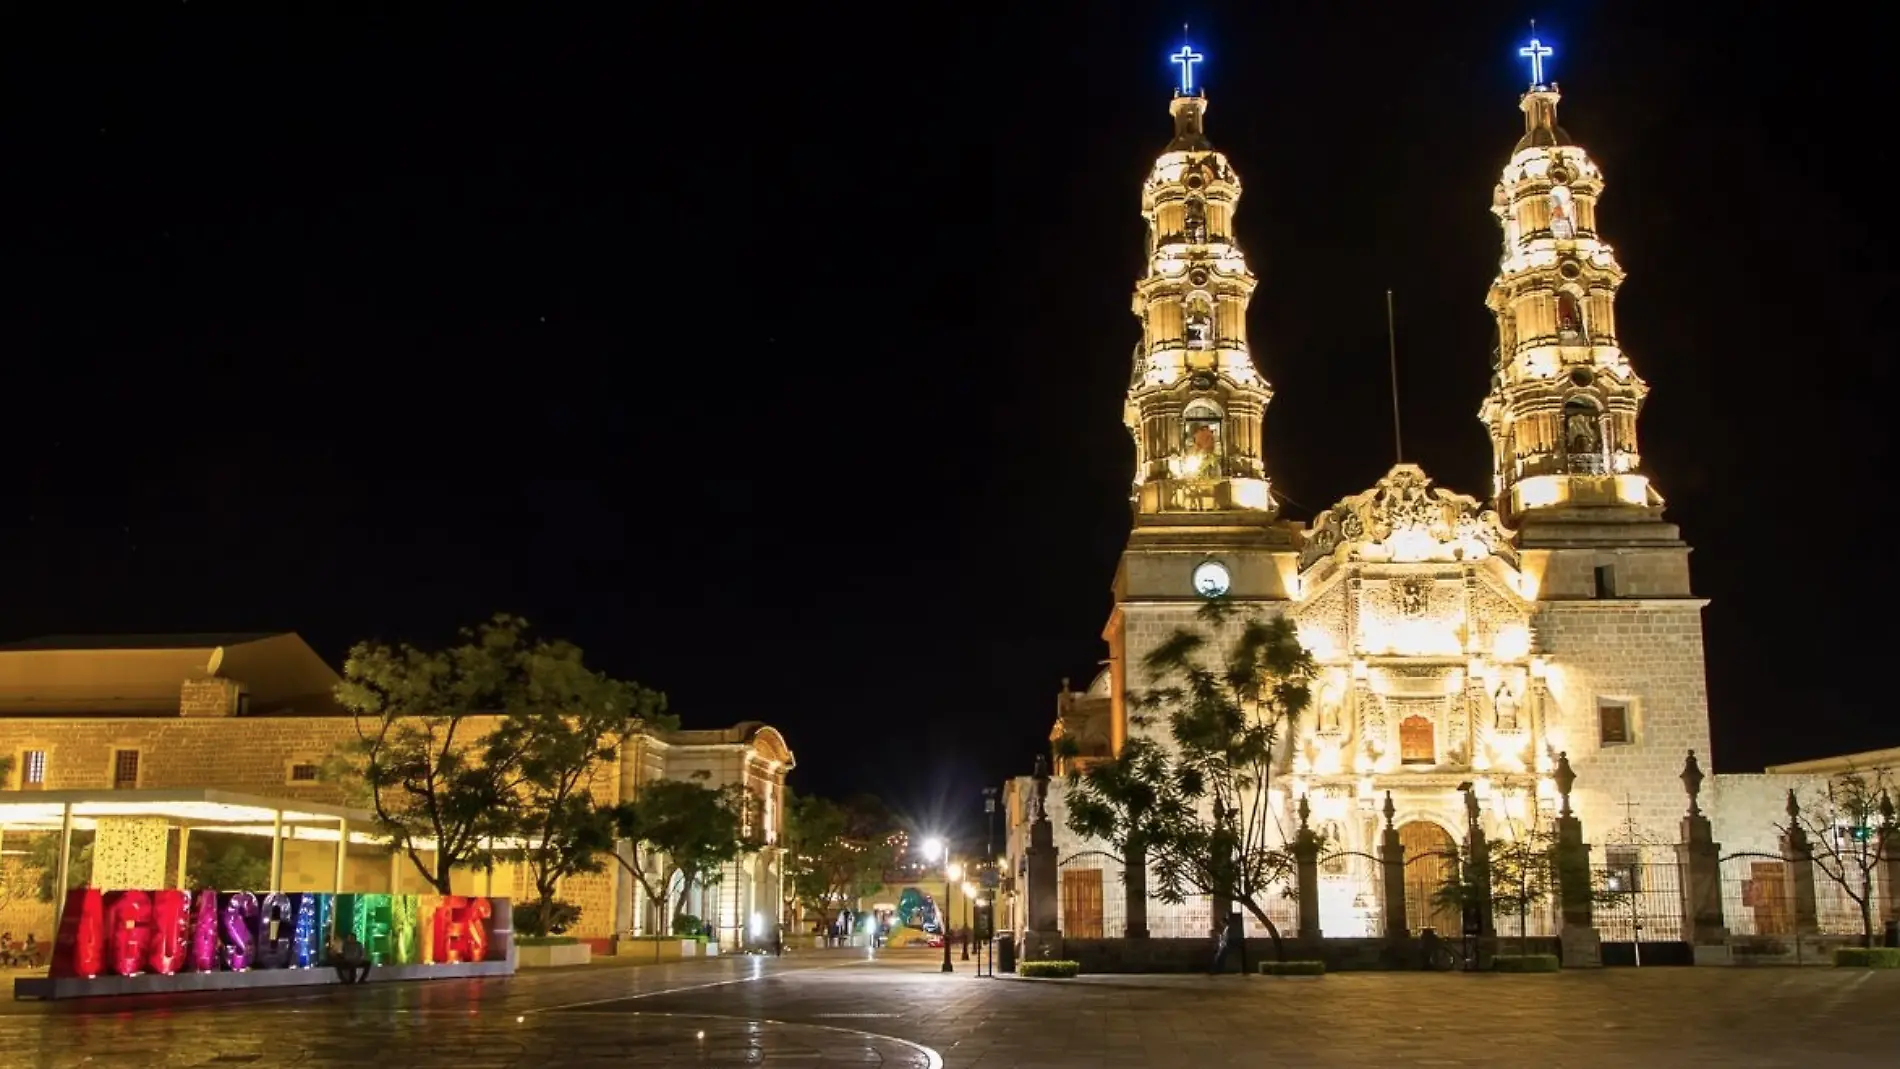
point(256, 713)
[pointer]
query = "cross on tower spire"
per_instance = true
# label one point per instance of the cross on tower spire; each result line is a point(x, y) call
point(1536, 52)
point(1186, 59)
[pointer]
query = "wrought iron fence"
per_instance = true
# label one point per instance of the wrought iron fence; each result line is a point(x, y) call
point(1640, 899)
point(1759, 899)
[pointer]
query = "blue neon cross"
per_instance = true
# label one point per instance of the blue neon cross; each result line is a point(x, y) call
point(1187, 58)
point(1535, 52)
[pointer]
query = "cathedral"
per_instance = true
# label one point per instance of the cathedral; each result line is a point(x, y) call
point(1466, 645)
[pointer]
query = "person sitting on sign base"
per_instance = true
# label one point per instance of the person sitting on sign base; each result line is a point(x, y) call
point(352, 964)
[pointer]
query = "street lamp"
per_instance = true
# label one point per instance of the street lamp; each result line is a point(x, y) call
point(969, 895)
point(935, 850)
point(952, 872)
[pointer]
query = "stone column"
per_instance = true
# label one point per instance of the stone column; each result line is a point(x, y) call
point(1478, 874)
point(1135, 887)
point(1043, 937)
point(1700, 858)
point(1392, 865)
point(1582, 945)
point(1306, 847)
point(1800, 857)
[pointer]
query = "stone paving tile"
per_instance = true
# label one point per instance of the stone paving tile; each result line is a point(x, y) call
point(822, 1010)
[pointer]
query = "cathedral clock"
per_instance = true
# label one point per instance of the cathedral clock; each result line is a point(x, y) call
point(1211, 579)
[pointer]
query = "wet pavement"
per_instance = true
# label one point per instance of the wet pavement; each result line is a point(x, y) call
point(825, 1009)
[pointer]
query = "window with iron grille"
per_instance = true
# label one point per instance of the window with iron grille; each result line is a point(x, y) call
point(303, 772)
point(125, 769)
point(33, 770)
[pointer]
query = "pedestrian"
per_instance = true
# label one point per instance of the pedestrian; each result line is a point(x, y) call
point(778, 942)
point(352, 964)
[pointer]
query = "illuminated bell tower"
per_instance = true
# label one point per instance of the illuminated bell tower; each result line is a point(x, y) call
point(1564, 401)
point(1205, 521)
point(1195, 401)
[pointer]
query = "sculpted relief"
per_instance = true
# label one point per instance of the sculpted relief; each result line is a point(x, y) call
point(1405, 519)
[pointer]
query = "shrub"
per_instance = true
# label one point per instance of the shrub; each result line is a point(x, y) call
point(1293, 968)
point(687, 924)
point(1867, 957)
point(1048, 970)
point(559, 918)
point(545, 941)
point(1524, 963)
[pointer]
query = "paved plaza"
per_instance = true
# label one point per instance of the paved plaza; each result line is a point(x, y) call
point(826, 1009)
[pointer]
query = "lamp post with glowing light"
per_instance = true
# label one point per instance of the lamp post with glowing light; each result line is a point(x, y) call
point(936, 850)
point(969, 896)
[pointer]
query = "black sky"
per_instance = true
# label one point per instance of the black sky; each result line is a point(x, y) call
point(778, 358)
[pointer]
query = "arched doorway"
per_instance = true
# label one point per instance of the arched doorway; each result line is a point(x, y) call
point(1430, 854)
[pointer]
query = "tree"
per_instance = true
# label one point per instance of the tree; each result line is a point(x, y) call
point(1847, 833)
point(1200, 809)
point(834, 853)
point(562, 721)
point(43, 858)
point(680, 826)
point(235, 868)
point(418, 761)
point(1523, 874)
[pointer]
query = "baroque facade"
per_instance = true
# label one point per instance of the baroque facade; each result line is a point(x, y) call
point(255, 713)
point(1464, 644)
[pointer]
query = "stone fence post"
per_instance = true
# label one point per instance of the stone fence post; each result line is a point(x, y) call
point(1043, 937)
point(1306, 847)
point(1582, 944)
point(1392, 862)
point(1800, 857)
point(1700, 858)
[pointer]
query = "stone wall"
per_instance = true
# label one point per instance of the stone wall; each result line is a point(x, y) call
point(1649, 655)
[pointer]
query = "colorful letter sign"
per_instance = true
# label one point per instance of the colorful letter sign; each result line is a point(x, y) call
point(127, 933)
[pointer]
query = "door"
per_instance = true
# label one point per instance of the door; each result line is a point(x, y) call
point(1430, 857)
point(1768, 896)
point(1082, 903)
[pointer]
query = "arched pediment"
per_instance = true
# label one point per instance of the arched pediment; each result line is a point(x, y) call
point(1405, 519)
point(766, 741)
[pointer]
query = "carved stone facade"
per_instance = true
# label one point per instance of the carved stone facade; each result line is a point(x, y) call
point(1464, 646)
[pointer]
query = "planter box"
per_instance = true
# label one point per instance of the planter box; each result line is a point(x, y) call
point(544, 957)
point(643, 949)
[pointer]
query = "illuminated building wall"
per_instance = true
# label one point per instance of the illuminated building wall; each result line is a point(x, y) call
point(254, 713)
point(1460, 640)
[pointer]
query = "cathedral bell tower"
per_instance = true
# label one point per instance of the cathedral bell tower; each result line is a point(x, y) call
point(1205, 522)
point(1195, 401)
point(1564, 400)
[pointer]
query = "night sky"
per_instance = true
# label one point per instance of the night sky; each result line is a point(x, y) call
point(778, 360)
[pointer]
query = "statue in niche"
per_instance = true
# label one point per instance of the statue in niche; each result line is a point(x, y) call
point(1196, 225)
point(1563, 213)
point(1569, 315)
point(1200, 328)
point(1506, 706)
point(1335, 862)
point(1201, 428)
point(1581, 434)
point(1329, 711)
point(1413, 596)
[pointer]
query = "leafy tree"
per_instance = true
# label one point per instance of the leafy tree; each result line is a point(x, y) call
point(1523, 871)
point(1200, 809)
point(235, 868)
point(563, 721)
point(43, 858)
point(418, 761)
point(834, 853)
point(681, 826)
point(1847, 831)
